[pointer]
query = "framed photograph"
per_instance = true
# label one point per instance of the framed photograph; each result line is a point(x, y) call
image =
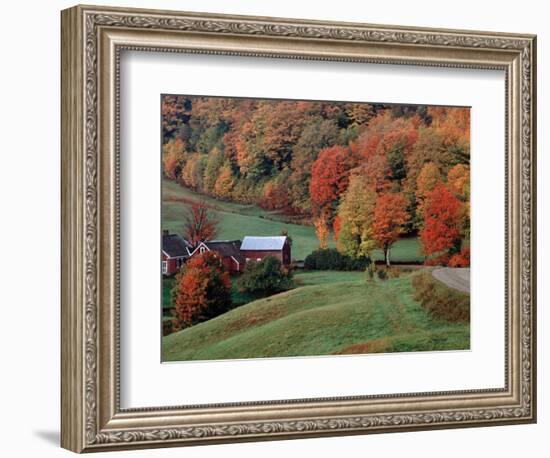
point(278, 228)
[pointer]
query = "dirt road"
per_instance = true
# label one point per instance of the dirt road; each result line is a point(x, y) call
point(454, 277)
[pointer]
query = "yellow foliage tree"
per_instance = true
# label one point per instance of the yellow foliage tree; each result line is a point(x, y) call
point(322, 230)
point(356, 211)
point(224, 183)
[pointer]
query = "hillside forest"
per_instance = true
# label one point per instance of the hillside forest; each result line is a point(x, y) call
point(362, 174)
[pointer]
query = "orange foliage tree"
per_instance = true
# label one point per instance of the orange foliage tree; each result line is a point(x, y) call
point(200, 223)
point(452, 124)
point(274, 197)
point(224, 182)
point(173, 156)
point(442, 220)
point(458, 179)
point(390, 215)
point(202, 290)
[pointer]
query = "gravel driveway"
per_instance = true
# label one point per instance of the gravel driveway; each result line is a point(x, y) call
point(454, 277)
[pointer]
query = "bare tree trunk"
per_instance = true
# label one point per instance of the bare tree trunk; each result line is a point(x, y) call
point(387, 255)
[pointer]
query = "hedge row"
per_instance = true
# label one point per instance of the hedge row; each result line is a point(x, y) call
point(331, 259)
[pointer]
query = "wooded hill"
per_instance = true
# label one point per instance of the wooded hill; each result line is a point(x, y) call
point(366, 173)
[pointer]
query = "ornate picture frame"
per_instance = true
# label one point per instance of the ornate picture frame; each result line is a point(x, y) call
point(92, 41)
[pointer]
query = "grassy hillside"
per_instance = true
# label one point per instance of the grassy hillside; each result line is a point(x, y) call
point(238, 220)
point(341, 315)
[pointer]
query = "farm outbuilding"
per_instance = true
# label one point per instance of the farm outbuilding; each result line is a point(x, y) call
point(257, 248)
point(175, 252)
point(227, 250)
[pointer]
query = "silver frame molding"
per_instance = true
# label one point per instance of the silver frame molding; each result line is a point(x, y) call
point(92, 40)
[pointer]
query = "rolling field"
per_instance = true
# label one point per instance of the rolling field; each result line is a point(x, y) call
point(238, 220)
point(328, 313)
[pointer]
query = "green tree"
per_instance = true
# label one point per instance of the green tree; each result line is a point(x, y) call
point(213, 166)
point(265, 277)
point(396, 163)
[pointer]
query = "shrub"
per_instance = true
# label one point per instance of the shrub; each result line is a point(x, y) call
point(167, 327)
point(265, 277)
point(441, 260)
point(382, 274)
point(393, 272)
point(461, 259)
point(332, 259)
point(439, 301)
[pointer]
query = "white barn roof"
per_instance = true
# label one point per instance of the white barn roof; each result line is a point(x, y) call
point(263, 243)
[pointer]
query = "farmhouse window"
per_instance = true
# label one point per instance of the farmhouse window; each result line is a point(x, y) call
point(164, 267)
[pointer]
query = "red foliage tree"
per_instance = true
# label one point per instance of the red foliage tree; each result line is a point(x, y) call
point(202, 290)
point(200, 223)
point(442, 220)
point(390, 215)
point(330, 177)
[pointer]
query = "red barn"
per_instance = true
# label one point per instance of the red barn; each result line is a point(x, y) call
point(227, 250)
point(175, 252)
point(257, 248)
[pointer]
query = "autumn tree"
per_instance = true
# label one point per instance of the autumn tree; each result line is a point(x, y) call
point(202, 290)
point(385, 146)
point(330, 177)
point(390, 216)
point(356, 212)
point(283, 123)
point(213, 165)
point(316, 135)
point(360, 113)
point(225, 182)
point(428, 178)
point(322, 228)
point(440, 234)
point(428, 148)
point(175, 114)
point(453, 126)
point(173, 158)
point(458, 180)
point(337, 227)
point(193, 171)
point(274, 196)
point(200, 223)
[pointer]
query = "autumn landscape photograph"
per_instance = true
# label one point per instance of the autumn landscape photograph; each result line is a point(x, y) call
point(312, 228)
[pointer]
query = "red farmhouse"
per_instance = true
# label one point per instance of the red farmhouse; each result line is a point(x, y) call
point(175, 252)
point(257, 248)
point(227, 250)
